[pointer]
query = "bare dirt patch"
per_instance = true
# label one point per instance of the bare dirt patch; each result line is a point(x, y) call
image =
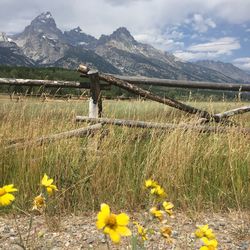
point(79, 232)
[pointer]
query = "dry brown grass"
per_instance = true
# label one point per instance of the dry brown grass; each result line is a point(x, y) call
point(200, 171)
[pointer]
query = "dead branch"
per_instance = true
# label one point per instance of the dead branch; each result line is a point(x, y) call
point(55, 137)
point(237, 111)
point(164, 126)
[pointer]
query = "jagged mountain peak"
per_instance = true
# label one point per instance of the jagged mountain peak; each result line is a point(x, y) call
point(44, 17)
point(121, 35)
point(122, 31)
point(43, 21)
point(3, 37)
point(76, 37)
point(42, 41)
point(77, 29)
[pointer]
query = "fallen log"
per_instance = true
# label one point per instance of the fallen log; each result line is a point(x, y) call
point(164, 126)
point(237, 111)
point(55, 137)
point(147, 94)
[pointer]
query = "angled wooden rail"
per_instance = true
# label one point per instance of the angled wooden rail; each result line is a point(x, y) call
point(147, 94)
point(119, 82)
point(80, 132)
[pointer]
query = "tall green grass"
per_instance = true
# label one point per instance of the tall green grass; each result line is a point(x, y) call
point(199, 171)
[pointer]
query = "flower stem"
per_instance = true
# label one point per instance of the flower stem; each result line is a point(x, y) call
point(107, 241)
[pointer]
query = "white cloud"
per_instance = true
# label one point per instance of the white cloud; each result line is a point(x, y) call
point(103, 16)
point(223, 45)
point(210, 50)
point(243, 63)
point(193, 56)
point(122, 2)
point(201, 24)
point(161, 41)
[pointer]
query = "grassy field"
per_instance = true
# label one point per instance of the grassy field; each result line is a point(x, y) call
point(199, 171)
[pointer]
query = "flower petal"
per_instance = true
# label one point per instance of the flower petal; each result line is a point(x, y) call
point(9, 188)
point(123, 231)
point(54, 187)
point(209, 234)
point(204, 228)
point(106, 230)
point(199, 233)
point(105, 210)
point(100, 224)
point(204, 248)
point(44, 180)
point(168, 205)
point(115, 236)
point(49, 190)
point(49, 182)
point(6, 199)
point(122, 219)
point(210, 243)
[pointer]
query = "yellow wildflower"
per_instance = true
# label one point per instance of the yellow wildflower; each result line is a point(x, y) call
point(150, 183)
point(47, 183)
point(209, 244)
point(5, 194)
point(39, 203)
point(158, 191)
point(113, 225)
point(168, 206)
point(141, 231)
point(166, 231)
point(204, 231)
point(157, 213)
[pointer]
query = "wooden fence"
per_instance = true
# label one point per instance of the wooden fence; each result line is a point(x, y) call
point(99, 81)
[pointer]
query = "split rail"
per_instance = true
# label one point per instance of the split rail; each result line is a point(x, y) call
point(100, 81)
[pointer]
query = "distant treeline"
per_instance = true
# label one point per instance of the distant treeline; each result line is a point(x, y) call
point(73, 75)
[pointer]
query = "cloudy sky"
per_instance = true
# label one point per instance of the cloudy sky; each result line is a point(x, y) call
point(191, 29)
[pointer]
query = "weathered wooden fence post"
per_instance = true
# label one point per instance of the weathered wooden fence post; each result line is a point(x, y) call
point(95, 102)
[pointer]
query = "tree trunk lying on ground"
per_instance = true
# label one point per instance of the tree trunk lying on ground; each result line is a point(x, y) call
point(164, 126)
point(55, 137)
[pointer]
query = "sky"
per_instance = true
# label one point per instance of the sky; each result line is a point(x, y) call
point(190, 29)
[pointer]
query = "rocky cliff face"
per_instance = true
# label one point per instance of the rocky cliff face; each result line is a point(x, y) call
point(77, 55)
point(4, 38)
point(11, 54)
point(227, 69)
point(134, 58)
point(42, 41)
point(76, 37)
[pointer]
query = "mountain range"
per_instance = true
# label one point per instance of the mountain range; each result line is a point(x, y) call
point(43, 44)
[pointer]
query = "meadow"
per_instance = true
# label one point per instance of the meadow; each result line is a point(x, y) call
point(199, 171)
